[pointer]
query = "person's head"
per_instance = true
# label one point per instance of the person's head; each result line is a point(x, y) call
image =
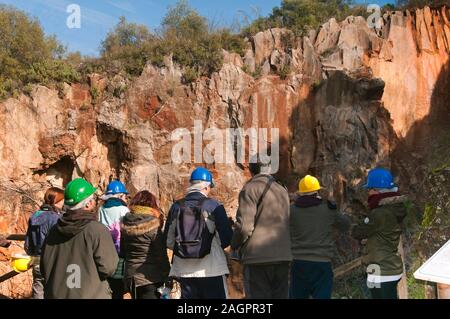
point(308, 185)
point(80, 195)
point(144, 203)
point(54, 197)
point(260, 164)
point(379, 180)
point(144, 198)
point(116, 189)
point(201, 181)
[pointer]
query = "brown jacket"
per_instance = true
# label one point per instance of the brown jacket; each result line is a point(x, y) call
point(269, 241)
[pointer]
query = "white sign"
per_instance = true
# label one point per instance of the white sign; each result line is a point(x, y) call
point(437, 268)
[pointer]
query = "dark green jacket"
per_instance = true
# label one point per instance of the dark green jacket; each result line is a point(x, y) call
point(77, 258)
point(382, 231)
point(312, 231)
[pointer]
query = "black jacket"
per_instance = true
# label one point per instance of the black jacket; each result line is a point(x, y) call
point(144, 249)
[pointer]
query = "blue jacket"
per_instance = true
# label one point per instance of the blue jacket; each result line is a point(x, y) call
point(39, 226)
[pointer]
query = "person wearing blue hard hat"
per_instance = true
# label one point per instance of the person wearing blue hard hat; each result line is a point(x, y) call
point(201, 174)
point(381, 230)
point(110, 214)
point(198, 230)
point(380, 178)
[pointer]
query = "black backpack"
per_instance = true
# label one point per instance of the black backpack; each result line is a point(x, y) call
point(192, 236)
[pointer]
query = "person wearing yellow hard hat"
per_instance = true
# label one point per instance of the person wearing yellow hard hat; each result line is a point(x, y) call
point(79, 253)
point(311, 227)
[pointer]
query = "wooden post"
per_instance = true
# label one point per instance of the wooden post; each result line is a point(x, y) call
point(402, 288)
point(443, 291)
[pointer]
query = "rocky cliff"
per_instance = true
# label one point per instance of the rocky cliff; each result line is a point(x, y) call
point(344, 98)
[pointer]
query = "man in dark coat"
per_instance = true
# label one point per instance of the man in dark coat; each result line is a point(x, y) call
point(79, 254)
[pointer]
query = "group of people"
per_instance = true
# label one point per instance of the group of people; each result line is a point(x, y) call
point(285, 247)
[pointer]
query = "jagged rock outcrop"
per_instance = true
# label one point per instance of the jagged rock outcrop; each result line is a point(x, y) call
point(350, 94)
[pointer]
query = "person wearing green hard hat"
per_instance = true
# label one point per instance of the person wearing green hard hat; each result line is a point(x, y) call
point(79, 253)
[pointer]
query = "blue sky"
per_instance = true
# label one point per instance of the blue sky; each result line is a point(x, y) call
point(99, 16)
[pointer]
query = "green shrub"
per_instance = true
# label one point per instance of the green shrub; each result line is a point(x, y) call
point(284, 71)
point(421, 3)
point(190, 75)
point(302, 15)
point(94, 93)
point(28, 56)
point(257, 73)
point(184, 34)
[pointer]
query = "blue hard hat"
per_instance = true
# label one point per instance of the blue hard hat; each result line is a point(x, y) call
point(380, 178)
point(202, 174)
point(116, 187)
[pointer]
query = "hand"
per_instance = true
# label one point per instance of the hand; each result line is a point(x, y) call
point(4, 242)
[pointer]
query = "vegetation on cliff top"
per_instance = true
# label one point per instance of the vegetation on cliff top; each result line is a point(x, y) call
point(28, 56)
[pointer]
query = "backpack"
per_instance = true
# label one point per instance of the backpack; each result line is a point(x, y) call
point(192, 236)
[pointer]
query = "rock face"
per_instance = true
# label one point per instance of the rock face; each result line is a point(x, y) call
point(351, 94)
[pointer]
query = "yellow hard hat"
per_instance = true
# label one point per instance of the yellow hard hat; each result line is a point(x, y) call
point(308, 184)
point(21, 263)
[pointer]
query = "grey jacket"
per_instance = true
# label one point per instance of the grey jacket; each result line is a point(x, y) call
point(312, 222)
point(269, 241)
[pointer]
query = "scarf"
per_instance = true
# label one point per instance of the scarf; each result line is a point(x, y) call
point(145, 210)
point(374, 200)
point(306, 201)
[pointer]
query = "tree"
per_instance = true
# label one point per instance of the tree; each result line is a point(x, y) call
point(125, 34)
point(302, 15)
point(125, 46)
point(421, 3)
point(27, 55)
point(184, 22)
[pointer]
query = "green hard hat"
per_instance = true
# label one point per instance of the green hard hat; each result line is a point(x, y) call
point(77, 190)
